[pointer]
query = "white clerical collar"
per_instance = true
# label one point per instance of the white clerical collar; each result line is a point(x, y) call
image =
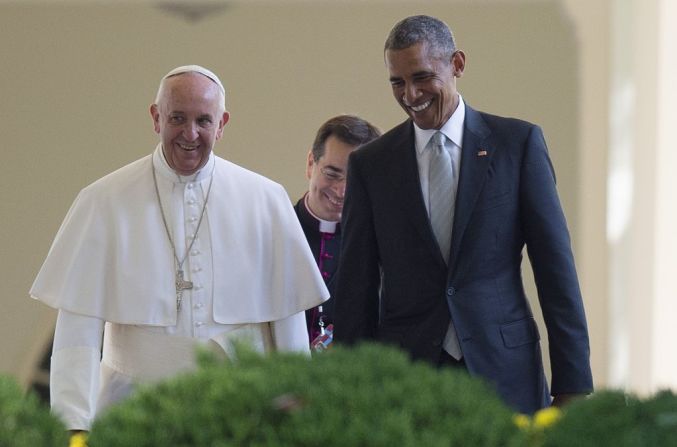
point(326, 226)
point(160, 164)
point(453, 128)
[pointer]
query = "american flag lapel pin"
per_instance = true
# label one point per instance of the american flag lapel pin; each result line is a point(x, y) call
point(481, 153)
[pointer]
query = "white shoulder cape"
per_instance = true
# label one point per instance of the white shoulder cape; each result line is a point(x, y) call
point(111, 258)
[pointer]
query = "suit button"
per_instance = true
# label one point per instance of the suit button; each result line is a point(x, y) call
point(437, 342)
point(451, 291)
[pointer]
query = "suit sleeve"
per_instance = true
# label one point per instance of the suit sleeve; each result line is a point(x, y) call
point(549, 249)
point(358, 275)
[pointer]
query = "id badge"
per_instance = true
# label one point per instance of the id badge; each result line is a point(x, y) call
point(323, 341)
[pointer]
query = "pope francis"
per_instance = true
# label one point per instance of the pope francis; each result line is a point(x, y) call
point(177, 249)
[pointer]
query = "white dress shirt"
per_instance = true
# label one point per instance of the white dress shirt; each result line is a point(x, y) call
point(453, 130)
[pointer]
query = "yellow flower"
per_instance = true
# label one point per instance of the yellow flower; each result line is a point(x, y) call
point(522, 421)
point(78, 440)
point(546, 417)
point(542, 419)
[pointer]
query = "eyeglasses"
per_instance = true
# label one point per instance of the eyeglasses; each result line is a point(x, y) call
point(332, 175)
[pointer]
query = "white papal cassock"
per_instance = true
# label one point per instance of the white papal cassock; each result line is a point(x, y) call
point(111, 270)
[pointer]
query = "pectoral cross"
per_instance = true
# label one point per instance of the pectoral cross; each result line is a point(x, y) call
point(181, 285)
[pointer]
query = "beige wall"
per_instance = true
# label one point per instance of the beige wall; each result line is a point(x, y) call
point(77, 80)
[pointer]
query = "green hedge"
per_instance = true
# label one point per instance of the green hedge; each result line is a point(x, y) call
point(370, 396)
point(614, 418)
point(25, 421)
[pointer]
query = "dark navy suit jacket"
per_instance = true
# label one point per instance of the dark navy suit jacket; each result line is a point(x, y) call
point(393, 284)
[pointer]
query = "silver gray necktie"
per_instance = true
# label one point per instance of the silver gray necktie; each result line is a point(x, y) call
point(441, 188)
point(441, 195)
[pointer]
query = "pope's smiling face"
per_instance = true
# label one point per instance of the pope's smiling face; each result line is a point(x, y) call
point(424, 84)
point(189, 117)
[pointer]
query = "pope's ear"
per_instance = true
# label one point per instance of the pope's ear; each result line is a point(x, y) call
point(155, 114)
point(224, 120)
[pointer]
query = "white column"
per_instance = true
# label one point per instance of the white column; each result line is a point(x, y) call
point(642, 186)
point(664, 329)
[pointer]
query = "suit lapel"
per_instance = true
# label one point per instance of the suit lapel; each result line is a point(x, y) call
point(476, 156)
point(407, 184)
